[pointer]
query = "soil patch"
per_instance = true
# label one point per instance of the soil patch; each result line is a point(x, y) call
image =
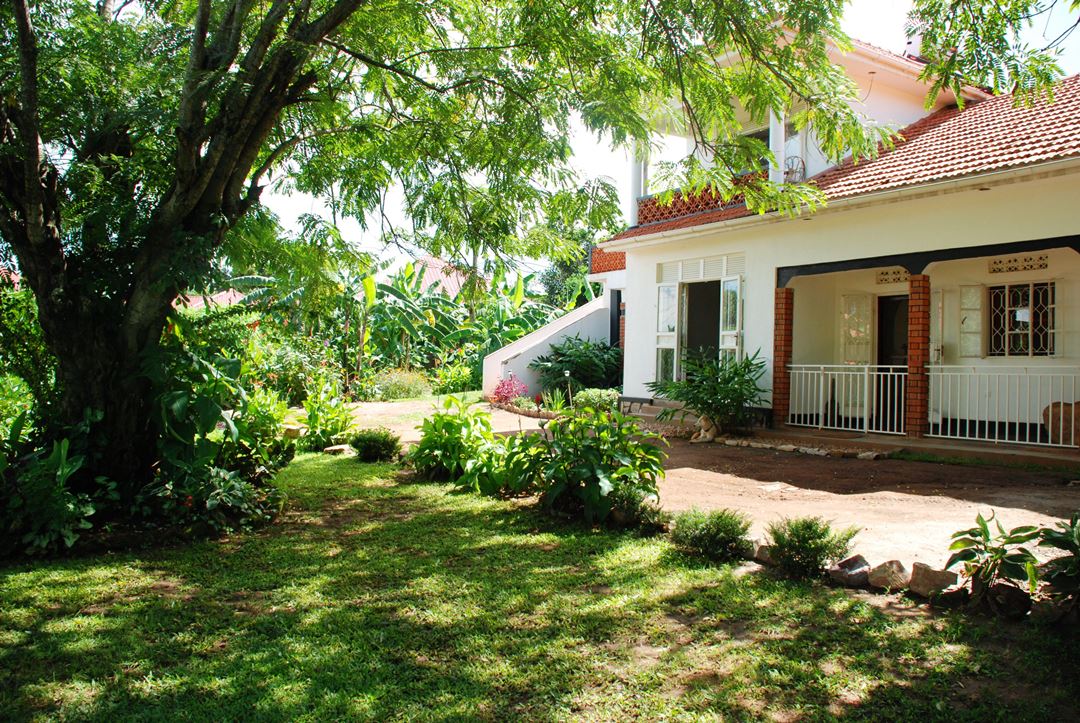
point(904, 510)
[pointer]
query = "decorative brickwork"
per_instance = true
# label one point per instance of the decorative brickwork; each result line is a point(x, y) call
point(650, 210)
point(782, 325)
point(622, 326)
point(607, 261)
point(918, 383)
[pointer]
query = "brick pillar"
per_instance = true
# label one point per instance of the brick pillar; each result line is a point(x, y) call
point(782, 324)
point(622, 325)
point(918, 383)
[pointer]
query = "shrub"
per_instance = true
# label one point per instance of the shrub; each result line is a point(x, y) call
point(718, 535)
point(15, 401)
point(449, 438)
point(22, 349)
point(401, 384)
point(509, 389)
point(1063, 572)
point(212, 497)
point(41, 509)
point(328, 418)
point(553, 401)
point(722, 389)
point(259, 446)
point(595, 459)
point(602, 399)
point(376, 445)
point(523, 402)
point(452, 378)
point(989, 558)
point(803, 547)
point(592, 365)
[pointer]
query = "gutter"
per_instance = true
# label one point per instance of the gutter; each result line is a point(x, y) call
point(996, 178)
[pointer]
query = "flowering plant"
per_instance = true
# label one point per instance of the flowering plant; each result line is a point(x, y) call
point(508, 389)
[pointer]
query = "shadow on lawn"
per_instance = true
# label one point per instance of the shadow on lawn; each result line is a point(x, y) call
point(375, 600)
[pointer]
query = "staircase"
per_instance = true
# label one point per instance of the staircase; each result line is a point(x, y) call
point(648, 410)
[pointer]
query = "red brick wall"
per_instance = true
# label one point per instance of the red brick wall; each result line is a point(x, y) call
point(622, 326)
point(782, 326)
point(918, 383)
point(607, 261)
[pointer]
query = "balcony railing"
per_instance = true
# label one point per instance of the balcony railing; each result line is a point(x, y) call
point(857, 398)
point(1022, 405)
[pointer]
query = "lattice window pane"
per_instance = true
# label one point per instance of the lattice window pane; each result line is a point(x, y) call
point(1022, 319)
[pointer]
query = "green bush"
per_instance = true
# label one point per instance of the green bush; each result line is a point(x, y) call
point(991, 557)
point(41, 510)
point(602, 399)
point(452, 378)
point(401, 384)
point(592, 461)
point(22, 349)
point(15, 400)
point(259, 447)
point(449, 438)
point(523, 403)
point(718, 535)
point(592, 365)
point(803, 547)
point(327, 416)
point(210, 498)
point(722, 389)
point(1063, 571)
point(376, 445)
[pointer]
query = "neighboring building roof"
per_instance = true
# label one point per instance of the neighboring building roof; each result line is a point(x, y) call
point(436, 271)
point(986, 136)
point(228, 297)
point(9, 276)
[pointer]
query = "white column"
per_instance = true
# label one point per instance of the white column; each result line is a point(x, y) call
point(776, 145)
point(638, 169)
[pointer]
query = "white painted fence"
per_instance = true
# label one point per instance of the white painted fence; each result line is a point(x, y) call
point(852, 397)
point(1022, 405)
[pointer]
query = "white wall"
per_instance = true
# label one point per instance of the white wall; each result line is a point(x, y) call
point(1020, 211)
point(591, 321)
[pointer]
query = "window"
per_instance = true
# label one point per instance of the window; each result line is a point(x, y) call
point(1021, 319)
point(667, 317)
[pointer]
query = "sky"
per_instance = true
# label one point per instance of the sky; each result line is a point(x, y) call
point(878, 22)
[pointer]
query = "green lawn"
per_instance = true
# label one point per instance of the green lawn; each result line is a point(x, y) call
point(377, 599)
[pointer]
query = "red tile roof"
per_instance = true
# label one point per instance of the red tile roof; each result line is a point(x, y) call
point(984, 137)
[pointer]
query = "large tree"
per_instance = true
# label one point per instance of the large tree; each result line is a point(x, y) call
point(135, 137)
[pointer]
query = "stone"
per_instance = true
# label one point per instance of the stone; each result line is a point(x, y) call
point(744, 443)
point(928, 582)
point(760, 445)
point(868, 455)
point(787, 448)
point(891, 575)
point(763, 553)
point(293, 431)
point(731, 442)
point(1060, 420)
point(836, 453)
point(813, 451)
point(852, 572)
point(338, 449)
point(1008, 601)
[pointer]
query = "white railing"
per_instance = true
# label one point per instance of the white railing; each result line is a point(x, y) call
point(857, 398)
point(1022, 405)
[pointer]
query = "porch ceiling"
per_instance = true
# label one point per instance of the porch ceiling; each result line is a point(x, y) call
point(916, 262)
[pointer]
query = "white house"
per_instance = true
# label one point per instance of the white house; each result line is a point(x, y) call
point(937, 294)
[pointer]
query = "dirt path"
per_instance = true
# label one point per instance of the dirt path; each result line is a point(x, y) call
point(904, 510)
point(404, 417)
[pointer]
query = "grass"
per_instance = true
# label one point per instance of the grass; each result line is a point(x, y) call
point(908, 455)
point(378, 599)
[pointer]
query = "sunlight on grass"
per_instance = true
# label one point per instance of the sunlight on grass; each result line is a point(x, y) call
point(375, 598)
